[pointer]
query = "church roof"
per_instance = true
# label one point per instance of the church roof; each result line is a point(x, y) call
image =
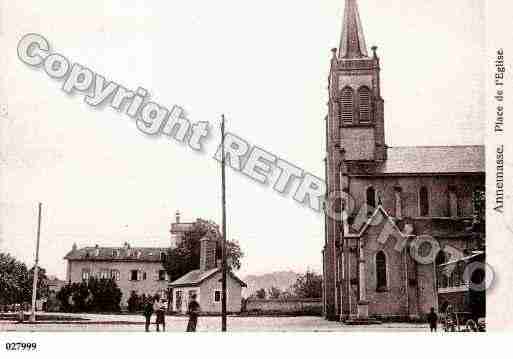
point(352, 42)
point(431, 159)
point(197, 276)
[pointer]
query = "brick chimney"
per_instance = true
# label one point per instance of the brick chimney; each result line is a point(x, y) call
point(207, 254)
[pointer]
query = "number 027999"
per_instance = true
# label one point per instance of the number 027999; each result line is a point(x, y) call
point(21, 346)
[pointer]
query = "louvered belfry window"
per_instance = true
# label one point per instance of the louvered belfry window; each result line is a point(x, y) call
point(364, 102)
point(346, 105)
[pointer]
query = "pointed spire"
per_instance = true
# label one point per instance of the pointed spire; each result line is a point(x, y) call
point(352, 43)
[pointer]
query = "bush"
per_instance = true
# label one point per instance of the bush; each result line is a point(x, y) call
point(95, 295)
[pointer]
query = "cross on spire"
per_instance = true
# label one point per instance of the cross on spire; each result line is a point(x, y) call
point(352, 43)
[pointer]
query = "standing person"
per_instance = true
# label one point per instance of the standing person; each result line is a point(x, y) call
point(161, 315)
point(156, 306)
point(193, 310)
point(432, 320)
point(147, 312)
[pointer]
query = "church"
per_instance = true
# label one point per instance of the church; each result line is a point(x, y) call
point(390, 199)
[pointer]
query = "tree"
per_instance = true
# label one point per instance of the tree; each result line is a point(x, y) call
point(186, 256)
point(63, 296)
point(95, 295)
point(133, 302)
point(104, 295)
point(42, 285)
point(16, 281)
point(10, 285)
point(308, 285)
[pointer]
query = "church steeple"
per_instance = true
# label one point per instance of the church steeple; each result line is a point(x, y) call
point(356, 107)
point(352, 42)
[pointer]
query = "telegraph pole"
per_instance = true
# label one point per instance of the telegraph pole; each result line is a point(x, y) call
point(36, 267)
point(223, 251)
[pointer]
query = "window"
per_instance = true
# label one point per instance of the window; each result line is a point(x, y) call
point(346, 105)
point(134, 274)
point(424, 202)
point(162, 274)
point(371, 199)
point(115, 274)
point(192, 292)
point(115, 253)
point(104, 274)
point(162, 256)
point(453, 202)
point(217, 296)
point(144, 276)
point(86, 274)
point(381, 271)
point(398, 203)
point(364, 102)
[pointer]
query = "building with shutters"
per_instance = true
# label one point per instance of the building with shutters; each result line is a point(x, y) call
point(137, 269)
point(389, 199)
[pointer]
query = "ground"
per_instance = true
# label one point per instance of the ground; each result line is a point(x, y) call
point(135, 323)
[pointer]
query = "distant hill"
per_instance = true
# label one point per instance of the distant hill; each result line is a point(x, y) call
point(282, 280)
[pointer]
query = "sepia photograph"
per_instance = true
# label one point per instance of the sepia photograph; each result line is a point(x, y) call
point(337, 166)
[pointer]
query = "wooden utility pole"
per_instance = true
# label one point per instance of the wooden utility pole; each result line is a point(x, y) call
point(223, 250)
point(36, 267)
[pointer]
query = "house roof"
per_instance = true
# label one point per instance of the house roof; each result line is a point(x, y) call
point(197, 276)
point(431, 159)
point(125, 253)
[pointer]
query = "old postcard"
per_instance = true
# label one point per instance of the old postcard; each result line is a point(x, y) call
point(334, 166)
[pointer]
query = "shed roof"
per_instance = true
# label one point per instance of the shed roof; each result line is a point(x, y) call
point(197, 276)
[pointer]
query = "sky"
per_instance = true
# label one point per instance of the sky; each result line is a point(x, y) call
point(264, 64)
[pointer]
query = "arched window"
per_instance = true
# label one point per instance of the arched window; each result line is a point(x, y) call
point(381, 271)
point(364, 104)
point(371, 199)
point(346, 105)
point(398, 202)
point(424, 202)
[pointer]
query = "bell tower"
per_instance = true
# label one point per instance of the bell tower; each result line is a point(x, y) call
point(355, 140)
point(356, 106)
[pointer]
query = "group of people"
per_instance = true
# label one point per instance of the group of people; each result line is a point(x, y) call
point(158, 306)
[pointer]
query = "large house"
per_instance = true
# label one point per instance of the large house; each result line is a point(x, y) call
point(392, 198)
point(135, 269)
